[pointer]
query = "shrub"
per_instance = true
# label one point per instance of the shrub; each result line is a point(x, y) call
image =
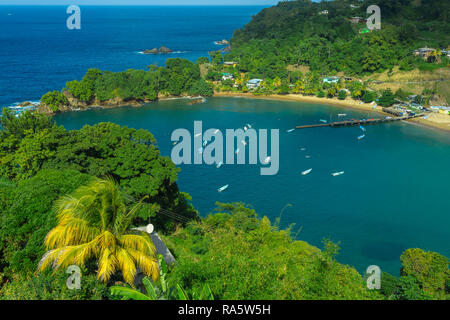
point(430, 269)
point(54, 100)
point(29, 217)
point(342, 95)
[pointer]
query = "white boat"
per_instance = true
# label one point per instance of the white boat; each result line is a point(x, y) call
point(337, 173)
point(219, 164)
point(237, 151)
point(304, 173)
point(362, 128)
point(217, 130)
point(324, 121)
point(245, 128)
point(200, 150)
point(266, 160)
point(243, 142)
point(290, 130)
point(307, 157)
point(361, 137)
point(303, 149)
point(198, 135)
point(222, 188)
point(342, 114)
point(249, 125)
point(205, 143)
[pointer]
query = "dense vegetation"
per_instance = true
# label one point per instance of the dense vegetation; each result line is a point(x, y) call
point(117, 179)
point(292, 46)
point(294, 33)
point(178, 77)
point(241, 256)
point(232, 254)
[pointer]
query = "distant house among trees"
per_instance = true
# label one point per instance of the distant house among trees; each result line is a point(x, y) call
point(331, 80)
point(424, 52)
point(227, 76)
point(230, 63)
point(254, 83)
point(323, 12)
point(356, 19)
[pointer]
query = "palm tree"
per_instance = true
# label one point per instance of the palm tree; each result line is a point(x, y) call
point(94, 223)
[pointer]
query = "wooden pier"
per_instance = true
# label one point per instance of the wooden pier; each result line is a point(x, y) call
point(360, 122)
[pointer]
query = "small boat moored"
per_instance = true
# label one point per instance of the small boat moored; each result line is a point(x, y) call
point(223, 188)
point(304, 173)
point(335, 174)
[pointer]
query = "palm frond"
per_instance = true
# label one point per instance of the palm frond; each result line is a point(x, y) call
point(126, 264)
point(106, 265)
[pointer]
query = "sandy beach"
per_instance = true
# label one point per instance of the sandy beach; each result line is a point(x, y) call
point(435, 120)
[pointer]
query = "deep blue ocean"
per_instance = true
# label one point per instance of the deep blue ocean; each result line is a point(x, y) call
point(38, 53)
point(393, 195)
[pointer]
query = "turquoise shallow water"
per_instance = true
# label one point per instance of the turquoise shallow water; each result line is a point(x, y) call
point(393, 195)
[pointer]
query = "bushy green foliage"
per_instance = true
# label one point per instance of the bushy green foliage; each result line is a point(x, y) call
point(369, 96)
point(54, 100)
point(179, 76)
point(49, 286)
point(128, 155)
point(342, 94)
point(294, 33)
point(27, 217)
point(202, 88)
point(429, 269)
point(202, 60)
point(248, 258)
point(85, 89)
point(387, 98)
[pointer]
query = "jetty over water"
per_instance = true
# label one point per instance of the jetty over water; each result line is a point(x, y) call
point(360, 122)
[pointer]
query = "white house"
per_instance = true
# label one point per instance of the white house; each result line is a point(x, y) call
point(254, 83)
point(227, 76)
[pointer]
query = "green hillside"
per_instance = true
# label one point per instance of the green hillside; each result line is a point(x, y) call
point(297, 33)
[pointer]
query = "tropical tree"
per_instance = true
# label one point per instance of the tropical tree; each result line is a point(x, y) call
point(93, 223)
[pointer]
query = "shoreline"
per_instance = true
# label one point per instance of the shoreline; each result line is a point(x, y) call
point(435, 120)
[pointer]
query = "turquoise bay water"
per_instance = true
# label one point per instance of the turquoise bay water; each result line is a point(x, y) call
point(393, 195)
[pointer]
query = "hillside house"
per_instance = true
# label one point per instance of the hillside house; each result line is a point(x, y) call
point(230, 63)
point(227, 76)
point(331, 80)
point(423, 52)
point(357, 19)
point(254, 83)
